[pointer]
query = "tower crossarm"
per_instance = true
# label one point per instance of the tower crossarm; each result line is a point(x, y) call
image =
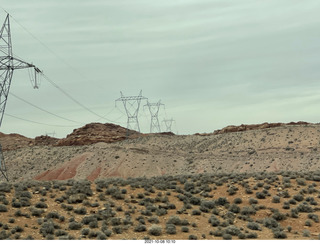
point(12, 63)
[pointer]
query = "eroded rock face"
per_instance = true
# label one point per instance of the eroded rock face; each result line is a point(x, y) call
point(97, 132)
point(45, 141)
point(232, 128)
point(14, 141)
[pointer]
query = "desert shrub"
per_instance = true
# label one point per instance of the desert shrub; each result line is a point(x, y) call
point(11, 220)
point(270, 223)
point(188, 186)
point(252, 235)
point(184, 229)
point(93, 234)
point(115, 221)
point(171, 229)
point(232, 230)
point(218, 232)
point(4, 235)
point(85, 231)
point(301, 181)
point(117, 229)
point(208, 204)
point(237, 200)
point(80, 187)
point(232, 190)
point(221, 201)
point(106, 231)
point(241, 236)
point(248, 210)
point(306, 233)
point(195, 200)
point(253, 226)
point(253, 201)
point(74, 225)
point(304, 208)
point(278, 216)
point(60, 233)
point(153, 220)
point(175, 220)
point(41, 205)
point(140, 228)
point(248, 190)
point(53, 215)
point(276, 199)
point(161, 211)
point(292, 201)
point(47, 228)
point(260, 195)
point(3, 208)
point(196, 212)
point(5, 187)
point(234, 208)
point(298, 197)
point(16, 204)
point(93, 224)
point(18, 229)
point(226, 236)
point(81, 211)
point(36, 212)
point(87, 219)
point(314, 217)
point(214, 221)
point(193, 237)
point(308, 223)
point(101, 236)
point(155, 230)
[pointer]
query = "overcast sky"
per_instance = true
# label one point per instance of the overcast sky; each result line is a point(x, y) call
point(212, 63)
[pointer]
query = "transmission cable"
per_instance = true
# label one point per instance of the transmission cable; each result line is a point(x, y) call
point(51, 81)
point(46, 111)
point(77, 102)
point(35, 122)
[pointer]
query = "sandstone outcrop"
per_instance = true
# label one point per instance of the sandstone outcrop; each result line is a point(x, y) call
point(97, 132)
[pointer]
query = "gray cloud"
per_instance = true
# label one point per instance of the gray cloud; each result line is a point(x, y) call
point(211, 62)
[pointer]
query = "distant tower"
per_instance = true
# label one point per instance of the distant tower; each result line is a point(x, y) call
point(8, 64)
point(168, 123)
point(132, 106)
point(154, 111)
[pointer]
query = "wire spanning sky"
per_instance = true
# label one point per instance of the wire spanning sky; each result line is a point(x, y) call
point(211, 62)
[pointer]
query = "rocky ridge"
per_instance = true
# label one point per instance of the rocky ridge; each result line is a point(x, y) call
point(287, 147)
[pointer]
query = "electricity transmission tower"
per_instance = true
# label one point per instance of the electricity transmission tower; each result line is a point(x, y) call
point(8, 64)
point(132, 106)
point(168, 123)
point(154, 111)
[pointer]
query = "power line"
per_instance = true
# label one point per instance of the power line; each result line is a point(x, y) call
point(46, 111)
point(35, 122)
point(74, 100)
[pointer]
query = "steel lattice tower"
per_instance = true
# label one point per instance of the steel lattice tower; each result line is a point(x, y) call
point(132, 106)
point(154, 111)
point(8, 64)
point(168, 123)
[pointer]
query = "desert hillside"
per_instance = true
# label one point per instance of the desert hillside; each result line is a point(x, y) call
point(91, 155)
point(240, 182)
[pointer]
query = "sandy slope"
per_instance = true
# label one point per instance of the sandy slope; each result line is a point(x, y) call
point(290, 147)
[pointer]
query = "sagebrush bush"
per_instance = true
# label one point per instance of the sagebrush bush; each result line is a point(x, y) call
point(193, 237)
point(47, 228)
point(171, 229)
point(74, 225)
point(155, 230)
point(3, 208)
point(254, 226)
point(184, 229)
